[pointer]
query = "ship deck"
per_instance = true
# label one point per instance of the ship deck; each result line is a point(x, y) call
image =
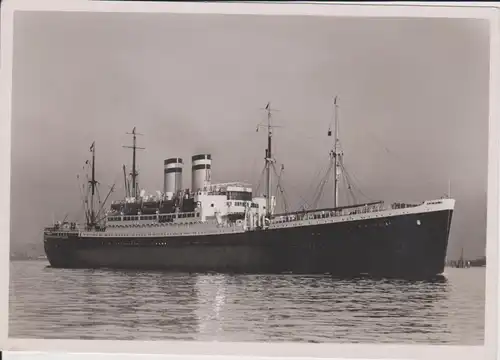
point(295, 219)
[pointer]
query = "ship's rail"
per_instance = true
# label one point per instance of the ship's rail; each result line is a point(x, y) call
point(155, 217)
point(75, 227)
point(328, 213)
point(161, 234)
point(87, 234)
point(60, 233)
point(338, 212)
point(395, 206)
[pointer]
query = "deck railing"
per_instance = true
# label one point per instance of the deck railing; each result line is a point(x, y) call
point(339, 212)
point(277, 219)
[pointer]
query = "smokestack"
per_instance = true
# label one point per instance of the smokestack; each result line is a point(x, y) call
point(172, 175)
point(201, 171)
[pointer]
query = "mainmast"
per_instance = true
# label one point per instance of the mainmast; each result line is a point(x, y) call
point(93, 183)
point(335, 155)
point(134, 172)
point(268, 159)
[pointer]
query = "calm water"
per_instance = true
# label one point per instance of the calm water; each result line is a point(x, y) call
point(105, 304)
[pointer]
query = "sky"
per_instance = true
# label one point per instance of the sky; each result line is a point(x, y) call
point(413, 107)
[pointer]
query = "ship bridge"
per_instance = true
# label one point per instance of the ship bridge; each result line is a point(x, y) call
point(226, 188)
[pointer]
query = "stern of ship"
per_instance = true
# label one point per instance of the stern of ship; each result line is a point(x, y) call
point(59, 247)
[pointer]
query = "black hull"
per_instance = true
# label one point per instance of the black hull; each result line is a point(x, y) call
point(407, 246)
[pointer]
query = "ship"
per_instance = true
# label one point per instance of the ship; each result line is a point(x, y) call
point(230, 228)
point(461, 263)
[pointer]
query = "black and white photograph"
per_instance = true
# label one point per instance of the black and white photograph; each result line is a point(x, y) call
point(250, 178)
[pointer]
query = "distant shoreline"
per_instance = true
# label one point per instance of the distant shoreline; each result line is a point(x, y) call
point(27, 259)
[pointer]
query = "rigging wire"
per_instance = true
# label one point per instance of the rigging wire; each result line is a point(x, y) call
point(85, 192)
point(81, 189)
point(353, 184)
point(279, 186)
point(260, 180)
point(317, 175)
point(297, 193)
point(321, 186)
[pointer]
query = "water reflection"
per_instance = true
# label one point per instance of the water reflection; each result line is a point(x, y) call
point(318, 308)
point(108, 304)
point(211, 298)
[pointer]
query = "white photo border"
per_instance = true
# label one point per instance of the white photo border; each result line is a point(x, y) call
point(217, 350)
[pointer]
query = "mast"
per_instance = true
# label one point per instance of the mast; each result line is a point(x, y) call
point(125, 181)
point(335, 155)
point(93, 183)
point(268, 159)
point(134, 173)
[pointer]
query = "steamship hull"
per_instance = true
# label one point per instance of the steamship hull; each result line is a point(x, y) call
point(404, 246)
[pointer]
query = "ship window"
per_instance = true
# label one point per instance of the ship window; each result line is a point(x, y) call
point(239, 195)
